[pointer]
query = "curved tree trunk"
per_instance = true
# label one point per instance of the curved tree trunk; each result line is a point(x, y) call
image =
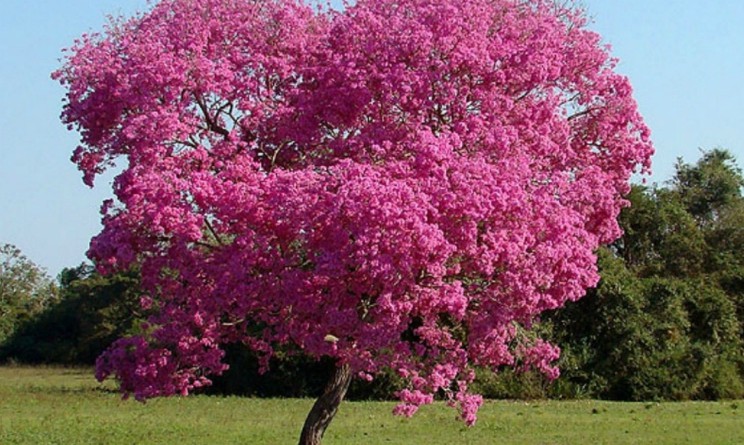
point(326, 406)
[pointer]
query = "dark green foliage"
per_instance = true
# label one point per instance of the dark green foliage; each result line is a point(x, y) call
point(25, 290)
point(509, 383)
point(665, 320)
point(91, 313)
point(291, 375)
point(661, 237)
point(710, 186)
point(661, 339)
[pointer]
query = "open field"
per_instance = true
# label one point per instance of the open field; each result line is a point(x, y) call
point(67, 406)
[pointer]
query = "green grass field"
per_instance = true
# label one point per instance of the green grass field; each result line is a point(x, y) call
point(66, 406)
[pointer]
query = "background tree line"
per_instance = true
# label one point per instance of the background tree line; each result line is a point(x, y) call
point(25, 290)
point(665, 321)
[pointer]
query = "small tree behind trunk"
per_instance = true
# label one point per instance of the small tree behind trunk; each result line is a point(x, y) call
point(326, 406)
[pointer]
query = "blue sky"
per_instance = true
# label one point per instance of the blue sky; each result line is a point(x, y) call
point(684, 59)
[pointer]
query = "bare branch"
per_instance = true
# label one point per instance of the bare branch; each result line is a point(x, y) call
point(213, 232)
point(209, 119)
point(578, 114)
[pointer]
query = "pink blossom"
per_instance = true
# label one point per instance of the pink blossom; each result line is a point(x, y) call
point(417, 179)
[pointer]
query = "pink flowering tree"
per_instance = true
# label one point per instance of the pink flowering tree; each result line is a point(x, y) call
point(405, 185)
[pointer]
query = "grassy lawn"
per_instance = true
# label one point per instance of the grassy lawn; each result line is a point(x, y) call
point(66, 406)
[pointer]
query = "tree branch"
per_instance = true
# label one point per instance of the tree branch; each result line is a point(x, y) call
point(213, 232)
point(209, 120)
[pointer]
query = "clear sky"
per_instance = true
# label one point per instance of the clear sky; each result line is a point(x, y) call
point(685, 59)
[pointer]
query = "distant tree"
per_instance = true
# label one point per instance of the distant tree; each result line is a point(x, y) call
point(666, 318)
point(711, 185)
point(92, 311)
point(712, 192)
point(651, 338)
point(661, 237)
point(404, 184)
point(25, 289)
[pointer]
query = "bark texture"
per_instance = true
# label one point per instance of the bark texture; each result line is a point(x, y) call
point(326, 406)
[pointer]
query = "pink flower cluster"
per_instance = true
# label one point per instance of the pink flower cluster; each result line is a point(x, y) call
point(414, 179)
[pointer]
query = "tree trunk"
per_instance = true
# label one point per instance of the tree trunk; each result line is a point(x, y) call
point(326, 406)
